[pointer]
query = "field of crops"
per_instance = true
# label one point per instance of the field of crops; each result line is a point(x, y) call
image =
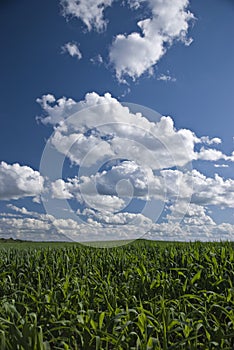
point(140, 296)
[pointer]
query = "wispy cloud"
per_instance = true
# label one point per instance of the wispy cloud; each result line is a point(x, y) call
point(91, 13)
point(72, 49)
point(166, 77)
point(221, 165)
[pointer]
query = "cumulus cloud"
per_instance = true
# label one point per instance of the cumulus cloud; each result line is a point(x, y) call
point(33, 229)
point(101, 130)
point(110, 190)
point(72, 49)
point(18, 181)
point(32, 225)
point(104, 202)
point(60, 190)
point(178, 232)
point(197, 225)
point(204, 190)
point(104, 128)
point(35, 226)
point(127, 178)
point(192, 214)
point(85, 192)
point(56, 110)
point(134, 54)
point(91, 12)
point(212, 154)
point(68, 229)
point(123, 156)
point(216, 191)
point(122, 218)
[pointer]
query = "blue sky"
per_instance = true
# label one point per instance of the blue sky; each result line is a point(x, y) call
point(178, 62)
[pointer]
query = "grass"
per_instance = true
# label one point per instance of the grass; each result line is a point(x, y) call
point(144, 295)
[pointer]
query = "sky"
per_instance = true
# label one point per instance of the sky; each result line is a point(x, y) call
point(116, 120)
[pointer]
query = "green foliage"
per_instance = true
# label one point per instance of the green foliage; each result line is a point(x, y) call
point(146, 295)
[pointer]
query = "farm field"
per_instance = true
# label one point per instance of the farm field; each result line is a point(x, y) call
point(144, 295)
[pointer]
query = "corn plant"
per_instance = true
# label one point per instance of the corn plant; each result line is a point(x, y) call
point(144, 295)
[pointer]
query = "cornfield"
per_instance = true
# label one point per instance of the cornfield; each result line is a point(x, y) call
point(145, 295)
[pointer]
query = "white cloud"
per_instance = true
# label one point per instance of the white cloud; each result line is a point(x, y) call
point(60, 190)
point(221, 165)
point(134, 4)
point(136, 53)
point(104, 202)
point(109, 218)
point(19, 210)
point(204, 190)
point(99, 226)
point(90, 12)
point(196, 224)
point(112, 190)
point(192, 214)
point(24, 212)
point(18, 181)
point(72, 49)
point(208, 141)
point(27, 228)
point(56, 110)
point(156, 144)
point(166, 77)
point(85, 192)
point(102, 226)
point(133, 55)
point(178, 232)
point(118, 227)
point(97, 60)
point(35, 226)
point(104, 128)
point(138, 155)
point(216, 191)
point(211, 154)
point(131, 178)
